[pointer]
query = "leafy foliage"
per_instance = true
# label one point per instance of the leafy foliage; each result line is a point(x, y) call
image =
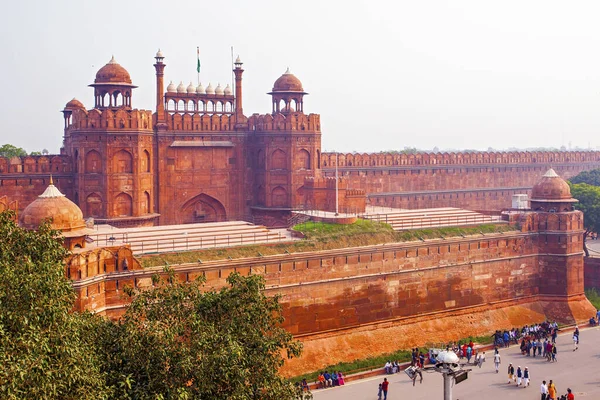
point(178, 341)
point(589, 203)
point(9, 151)
point(44, 350)
point(590, 177)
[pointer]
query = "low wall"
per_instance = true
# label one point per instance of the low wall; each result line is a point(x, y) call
point(591, 271)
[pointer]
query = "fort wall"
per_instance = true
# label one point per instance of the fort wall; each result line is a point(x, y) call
point(362, 293)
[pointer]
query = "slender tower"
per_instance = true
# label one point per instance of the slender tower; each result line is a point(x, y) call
point(238, 71)
point(160, 104)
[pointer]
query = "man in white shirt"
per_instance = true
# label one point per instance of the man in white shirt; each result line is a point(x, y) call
point(544, 390)
point(388, 367)
point(497, 361)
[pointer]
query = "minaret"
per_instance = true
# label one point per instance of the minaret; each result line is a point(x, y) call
point(160, 92)
point(238, 71)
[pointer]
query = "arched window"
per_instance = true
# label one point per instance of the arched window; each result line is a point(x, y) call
point(145, 204)
point(93, 205)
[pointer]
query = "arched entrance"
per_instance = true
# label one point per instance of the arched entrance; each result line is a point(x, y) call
point(202, 208)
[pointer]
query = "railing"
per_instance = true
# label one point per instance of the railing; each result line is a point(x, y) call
point(399, 223)
point(193, 242)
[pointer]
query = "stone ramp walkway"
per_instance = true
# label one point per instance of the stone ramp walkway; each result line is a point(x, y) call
point(187, 237)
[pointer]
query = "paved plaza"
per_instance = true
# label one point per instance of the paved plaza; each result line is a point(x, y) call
point(578, 370)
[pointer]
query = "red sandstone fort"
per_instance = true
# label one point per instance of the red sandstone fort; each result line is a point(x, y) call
point(197, 158)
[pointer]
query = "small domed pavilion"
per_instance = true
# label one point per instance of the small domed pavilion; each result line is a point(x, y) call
point(552, 194)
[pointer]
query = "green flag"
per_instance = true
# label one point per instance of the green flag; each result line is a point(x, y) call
point(198, 67)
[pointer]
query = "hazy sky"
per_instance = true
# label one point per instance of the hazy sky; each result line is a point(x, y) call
point(383, 75)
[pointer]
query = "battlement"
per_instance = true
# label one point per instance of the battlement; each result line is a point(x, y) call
point(459, 158)
point(198, 122)
point(310, 123)
point(36, 164)
point(107, 119)
point(325, 183)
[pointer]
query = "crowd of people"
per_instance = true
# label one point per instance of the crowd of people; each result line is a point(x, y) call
point(332, 379)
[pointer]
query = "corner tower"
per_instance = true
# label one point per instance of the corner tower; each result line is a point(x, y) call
point(560, 243)
point(286, 150)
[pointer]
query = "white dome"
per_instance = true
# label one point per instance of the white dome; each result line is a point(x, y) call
point(227, 91)
point(159, 54)
point(191, 88)
point(238, 60)
point(200, 89)
point(180, 88)
point(210, 89)
point(171, 88)
point(219, 89)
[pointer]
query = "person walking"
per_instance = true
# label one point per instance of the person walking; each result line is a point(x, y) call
point(384, 387)
point(551, 391)
point(497, 361)
point(554, 359)
point(380, 392)
point(570, 395)
point(511, 373)
point(544, 390)
point(519, 376)
point(526, 377)
point(575, 341)
point(480, 359)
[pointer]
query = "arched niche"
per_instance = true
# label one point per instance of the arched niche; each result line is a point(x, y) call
point(278, 197)
point(93, 162)
point(202, 208)
point(278, 159)
point(123, 162)
point(304, 159)
point(93, 205)
point(145, 161)
point(123, 205)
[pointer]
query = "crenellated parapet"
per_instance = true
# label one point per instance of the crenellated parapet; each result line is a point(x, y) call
point(310, 123)
point(459, 158)
point(45, 164)
point(107, 119)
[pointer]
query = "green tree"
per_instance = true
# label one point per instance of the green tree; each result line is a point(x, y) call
point(178, 340)
point(590, 177)
point(44, 349)
point(589, 203)
point(9, 151)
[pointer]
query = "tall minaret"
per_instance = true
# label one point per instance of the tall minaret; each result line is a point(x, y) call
point(238, 71)
point(160, 92)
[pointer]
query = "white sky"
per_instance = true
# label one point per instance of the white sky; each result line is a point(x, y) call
point(383, 75)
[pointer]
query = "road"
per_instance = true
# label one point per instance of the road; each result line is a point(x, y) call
point(577, 370)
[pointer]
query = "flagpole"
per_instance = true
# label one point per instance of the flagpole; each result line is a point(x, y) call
point(198, 65)
point(336, 185)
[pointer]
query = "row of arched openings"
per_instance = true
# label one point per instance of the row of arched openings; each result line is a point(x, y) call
point(122, 205)
point(209, 106)
point(122, 162)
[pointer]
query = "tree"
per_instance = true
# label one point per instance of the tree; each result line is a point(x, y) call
point(589, 203)
point(9, 151)
point(44, 350)
point(590, 177)
point(178, 340)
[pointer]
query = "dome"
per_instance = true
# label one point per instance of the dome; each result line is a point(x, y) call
point(219, 89)
point(228, 91)
point(191, 88)
point(287, 83)
point(112, 73)
point(200, 89)
point(551, 188)
point(209, 89)
point(65, 214)
point(74, 105)
point(171, 88)
point(159, 54)
point(181, 88)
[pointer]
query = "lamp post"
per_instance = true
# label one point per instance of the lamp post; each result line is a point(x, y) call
point(447, 363)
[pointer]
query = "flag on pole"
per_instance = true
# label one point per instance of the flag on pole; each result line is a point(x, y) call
point(198, 67)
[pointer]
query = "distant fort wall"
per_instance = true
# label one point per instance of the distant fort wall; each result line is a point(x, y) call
point(479, 180)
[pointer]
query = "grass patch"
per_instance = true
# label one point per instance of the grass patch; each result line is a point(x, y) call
point(376, 362)
point(323, 236)
point(594, 297)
